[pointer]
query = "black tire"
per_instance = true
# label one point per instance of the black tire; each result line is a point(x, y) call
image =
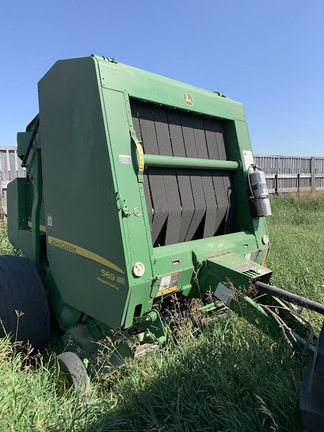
point(72, 373)
point(22, 293)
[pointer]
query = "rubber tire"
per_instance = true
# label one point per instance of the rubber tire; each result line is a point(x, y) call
point(22, 290)
point(74, 370)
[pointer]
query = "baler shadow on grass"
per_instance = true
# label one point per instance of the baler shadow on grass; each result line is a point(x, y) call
point(226, 375)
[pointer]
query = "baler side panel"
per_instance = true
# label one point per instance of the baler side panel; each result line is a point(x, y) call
point(18, 233)
point(85, 251)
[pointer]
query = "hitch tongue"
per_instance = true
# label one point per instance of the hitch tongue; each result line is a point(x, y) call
point(290, 297)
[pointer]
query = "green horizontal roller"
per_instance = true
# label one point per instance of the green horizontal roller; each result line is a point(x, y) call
point(183, 162)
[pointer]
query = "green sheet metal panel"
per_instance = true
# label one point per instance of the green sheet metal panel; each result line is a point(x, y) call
point(84, 246)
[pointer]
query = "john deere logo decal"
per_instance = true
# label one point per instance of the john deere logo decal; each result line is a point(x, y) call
point(188, 99)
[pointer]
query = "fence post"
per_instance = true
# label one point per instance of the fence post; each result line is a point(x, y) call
point(313, 169)
point(0, 199)
point(276, 184)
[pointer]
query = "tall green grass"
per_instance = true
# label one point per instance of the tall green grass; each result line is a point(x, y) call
point(224, 376)
point(227, 376)
point(6, 247)
point(296, 232)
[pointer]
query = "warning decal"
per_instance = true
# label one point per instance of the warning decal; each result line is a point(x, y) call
point(170, 281)
point(248, 158)
point(251, 255)
point(49, 223)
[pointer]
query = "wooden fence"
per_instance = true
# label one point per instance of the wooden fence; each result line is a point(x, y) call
point(10, 168)
point(292, 173)
point(283, 173)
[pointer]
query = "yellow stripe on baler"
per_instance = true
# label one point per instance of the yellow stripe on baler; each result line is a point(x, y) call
point(77, 250)
point(41, 227)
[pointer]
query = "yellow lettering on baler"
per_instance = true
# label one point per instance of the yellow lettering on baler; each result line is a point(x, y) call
point(104, 282)
point(77, 250)
point(107, 274)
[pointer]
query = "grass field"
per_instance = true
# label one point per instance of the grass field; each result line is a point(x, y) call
point(224, 376)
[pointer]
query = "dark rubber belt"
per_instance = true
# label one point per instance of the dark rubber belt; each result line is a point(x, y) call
point(170, 178)
point(206, 178)
point(155, 175)
point(185, 191)
point(195, 178)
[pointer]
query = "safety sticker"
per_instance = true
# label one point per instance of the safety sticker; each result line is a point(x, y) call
point(49, 223)
point(251, 256)
point(121, 280)
point(248, 158)
point(170, 281)
point(125, 159)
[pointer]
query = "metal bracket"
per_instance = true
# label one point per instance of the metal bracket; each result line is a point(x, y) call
point(151, 322)
point(121, 205)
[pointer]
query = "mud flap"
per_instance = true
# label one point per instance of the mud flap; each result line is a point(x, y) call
point(311, 399)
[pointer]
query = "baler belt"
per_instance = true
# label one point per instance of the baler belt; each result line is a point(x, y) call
point(195, 177)
point(206, 178)
point(228, 192)
point(216, 150)
point(170, 178)
point(186, 204)
point(183, 176)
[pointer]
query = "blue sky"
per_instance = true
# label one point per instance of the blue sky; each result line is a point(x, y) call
point(266, 54)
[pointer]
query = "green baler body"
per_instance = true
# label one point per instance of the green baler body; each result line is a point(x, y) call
point(88, 210)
